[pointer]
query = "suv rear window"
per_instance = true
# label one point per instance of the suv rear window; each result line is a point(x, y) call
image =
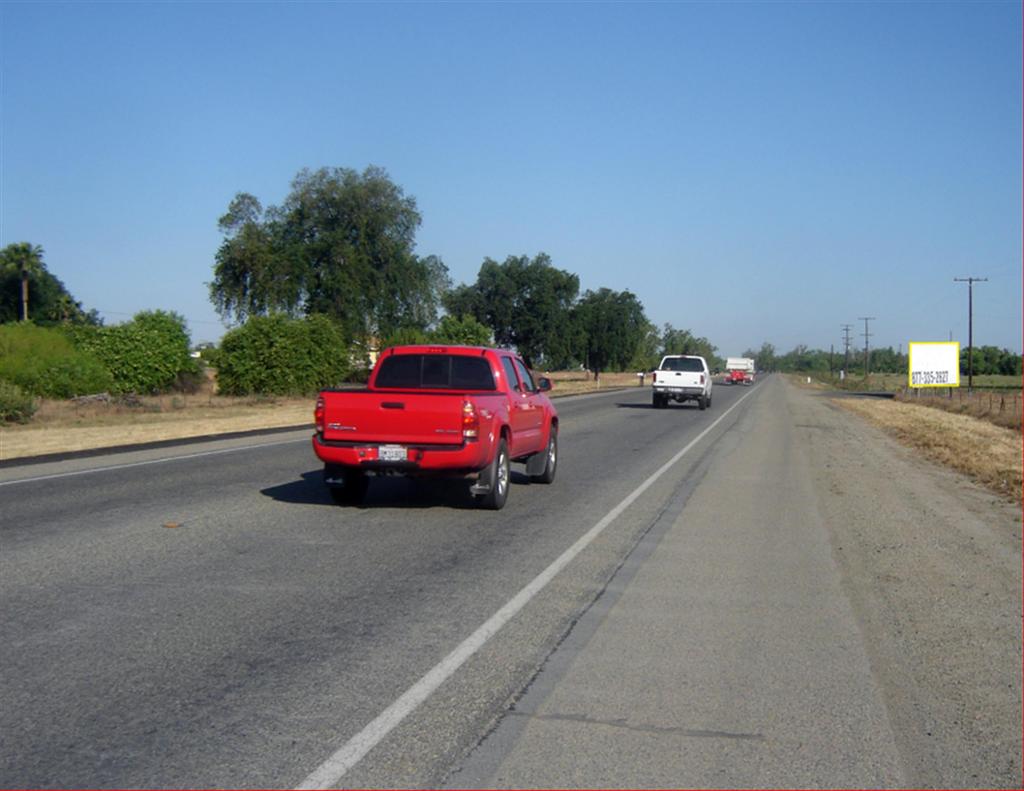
point(682, 364)
point(435, 371)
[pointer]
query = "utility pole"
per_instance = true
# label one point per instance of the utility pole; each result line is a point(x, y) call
point(846, 346)
point(867, 335)
point(970, 281)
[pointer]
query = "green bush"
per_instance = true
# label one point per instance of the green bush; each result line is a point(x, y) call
point(277, 355)
point(149, 354)
point(42, 361)
point(463, 330)
point(16, 406)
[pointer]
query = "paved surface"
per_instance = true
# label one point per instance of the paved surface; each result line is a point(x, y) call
point(735, 624)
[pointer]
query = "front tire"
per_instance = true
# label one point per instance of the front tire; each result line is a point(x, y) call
point(551, 463)
point(501, 474)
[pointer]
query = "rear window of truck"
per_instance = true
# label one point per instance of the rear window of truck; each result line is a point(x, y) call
point(682, 364)
point(435, 371)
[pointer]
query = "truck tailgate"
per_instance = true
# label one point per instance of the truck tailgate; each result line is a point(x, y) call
point(402, 418)
point(678, 379)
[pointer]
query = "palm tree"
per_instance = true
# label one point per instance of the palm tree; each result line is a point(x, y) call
point(28, 260)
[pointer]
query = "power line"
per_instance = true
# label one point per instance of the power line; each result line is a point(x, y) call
point(970, 281)
point(867, 335)
point(846, 347)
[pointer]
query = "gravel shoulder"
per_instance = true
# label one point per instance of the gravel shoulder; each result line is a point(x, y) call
point(932, 565)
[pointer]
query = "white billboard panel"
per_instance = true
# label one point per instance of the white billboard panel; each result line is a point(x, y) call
point(934, 364)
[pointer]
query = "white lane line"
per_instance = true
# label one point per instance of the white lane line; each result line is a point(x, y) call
point(334, 768)
point(151, 461)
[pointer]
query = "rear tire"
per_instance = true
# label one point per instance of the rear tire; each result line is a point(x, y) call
point(702, 402)
point(501, 475)
point(552, 459)
point(659, 401)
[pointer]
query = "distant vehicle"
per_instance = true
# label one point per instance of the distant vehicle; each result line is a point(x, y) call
point(681, 377)
point(739, 370)
point(456, 411)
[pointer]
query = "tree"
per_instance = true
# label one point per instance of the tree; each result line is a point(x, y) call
point(613, 326)
point(340, 245)
point(462, 330)
point(685, 342)
point(526, 304)
point(23, 272)
point(27, 260)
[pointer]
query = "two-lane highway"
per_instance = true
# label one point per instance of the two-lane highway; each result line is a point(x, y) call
point(205, 616)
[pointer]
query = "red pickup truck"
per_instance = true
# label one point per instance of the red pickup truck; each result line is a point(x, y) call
point(438, 411)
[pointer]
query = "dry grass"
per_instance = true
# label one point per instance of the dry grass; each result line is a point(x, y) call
point(64, 426)
point(989, 454)
point(1000, 408)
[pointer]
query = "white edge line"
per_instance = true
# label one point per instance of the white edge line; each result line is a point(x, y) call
point(163, 460)
point(341, 761)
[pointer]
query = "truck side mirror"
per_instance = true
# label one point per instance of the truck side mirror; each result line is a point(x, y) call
point(543, 384)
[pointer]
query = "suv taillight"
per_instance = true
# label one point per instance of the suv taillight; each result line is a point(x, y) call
point(318, 415)
point(470, 422)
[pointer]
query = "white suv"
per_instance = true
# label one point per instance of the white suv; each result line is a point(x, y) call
point(682, 377)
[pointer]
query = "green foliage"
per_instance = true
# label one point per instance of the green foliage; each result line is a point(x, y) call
point(340, 245)
point(612, 326)
point(406, 336)
point(280, 355)
point(16, 406)
point(43, 362)
point(461, 330)
point(149, 354)
point(49, 300)
point(685, 342)
point(991, 360)
point(527, 304)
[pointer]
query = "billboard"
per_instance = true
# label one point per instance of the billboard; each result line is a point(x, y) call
point(934, 364)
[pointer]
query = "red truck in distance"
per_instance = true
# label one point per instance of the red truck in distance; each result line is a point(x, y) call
point(452, 411)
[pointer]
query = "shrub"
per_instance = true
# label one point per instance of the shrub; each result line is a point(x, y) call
point(463, 330)
point(16, 406)
point(149, 354)
point(278, 355)
point(43, 362)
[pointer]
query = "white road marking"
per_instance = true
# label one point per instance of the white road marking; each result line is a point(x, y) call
point(348, 755)
point(151, 461)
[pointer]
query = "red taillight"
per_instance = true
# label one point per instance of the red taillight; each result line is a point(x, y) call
point(654, 376)
point(470, 421)
point(702, 378)
point(318, 415)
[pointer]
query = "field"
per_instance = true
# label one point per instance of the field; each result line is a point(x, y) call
point(63, 426)
point(891, 383)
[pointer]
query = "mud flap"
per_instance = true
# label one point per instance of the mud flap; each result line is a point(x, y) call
point(537, 462)
point(485, 481)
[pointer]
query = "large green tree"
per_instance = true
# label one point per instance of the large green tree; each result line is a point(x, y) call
point(613, 328)
point(341, 244)
point(526, 303)
point(28, 290)
point(676, 341)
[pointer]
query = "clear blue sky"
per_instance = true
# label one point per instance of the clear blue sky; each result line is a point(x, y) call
point(751, 171)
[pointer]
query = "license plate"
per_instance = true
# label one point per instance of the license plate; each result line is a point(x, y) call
point(392, 453)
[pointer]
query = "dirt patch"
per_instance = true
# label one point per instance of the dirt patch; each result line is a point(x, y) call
point(987, 453)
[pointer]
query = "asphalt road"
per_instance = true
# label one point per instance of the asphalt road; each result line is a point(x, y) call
point(205, 617)
point(243, 646)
